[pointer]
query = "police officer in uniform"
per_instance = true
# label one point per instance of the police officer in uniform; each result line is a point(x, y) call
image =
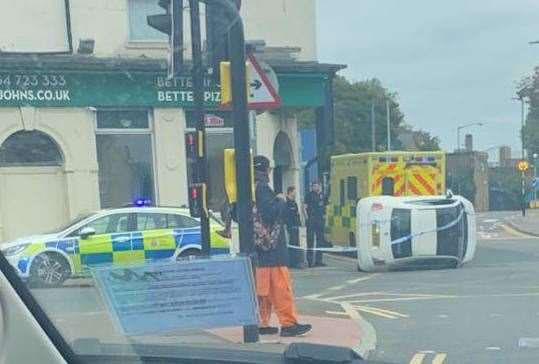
point(293, 222)
point(315, 205)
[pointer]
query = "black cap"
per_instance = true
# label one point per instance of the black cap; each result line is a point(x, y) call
point(261, 163)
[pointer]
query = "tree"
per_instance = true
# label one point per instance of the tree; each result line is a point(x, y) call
point(353, 102)
point(528, 89)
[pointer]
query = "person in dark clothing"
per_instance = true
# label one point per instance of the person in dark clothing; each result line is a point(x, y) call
point(293, 222)
point(315, 205)
point(273, 285)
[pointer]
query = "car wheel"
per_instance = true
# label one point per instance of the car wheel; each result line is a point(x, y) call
point(190, 253)
point(49, 270)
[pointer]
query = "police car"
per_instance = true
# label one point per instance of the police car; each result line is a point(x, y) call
point(415, 232)
point(115, 236)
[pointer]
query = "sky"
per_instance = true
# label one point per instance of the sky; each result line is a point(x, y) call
point(451, 62)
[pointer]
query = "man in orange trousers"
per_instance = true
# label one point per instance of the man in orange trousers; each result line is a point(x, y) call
point(273, 284)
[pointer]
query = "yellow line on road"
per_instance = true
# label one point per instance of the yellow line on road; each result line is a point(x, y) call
point(417, 358)
point(516, 233)
point(439, 358)
point(373, 311)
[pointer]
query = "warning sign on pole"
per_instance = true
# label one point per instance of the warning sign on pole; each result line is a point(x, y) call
point(263, 92)
point(262, 85)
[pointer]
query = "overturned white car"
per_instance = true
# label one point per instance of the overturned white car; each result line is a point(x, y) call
point(415, 232)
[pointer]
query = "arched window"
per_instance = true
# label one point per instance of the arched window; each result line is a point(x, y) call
point(30, 148)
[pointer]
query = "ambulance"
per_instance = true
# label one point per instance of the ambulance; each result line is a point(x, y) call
point(356, 176)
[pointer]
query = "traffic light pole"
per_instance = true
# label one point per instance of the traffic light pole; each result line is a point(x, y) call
point(199, 114)
point(244, 205)
point(244, 172)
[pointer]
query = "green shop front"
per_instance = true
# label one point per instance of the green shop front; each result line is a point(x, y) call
point(83, 133)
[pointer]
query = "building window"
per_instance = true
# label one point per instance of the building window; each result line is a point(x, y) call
point(125, 157)
point(30, 148)
point(139, 30)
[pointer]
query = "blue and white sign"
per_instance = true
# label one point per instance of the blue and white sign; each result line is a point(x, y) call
point(535, 182)
point(194, 294)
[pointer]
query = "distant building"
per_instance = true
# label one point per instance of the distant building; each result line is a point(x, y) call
point(467, 175)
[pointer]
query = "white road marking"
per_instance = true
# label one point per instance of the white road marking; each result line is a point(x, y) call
point(362, 279)
point(398, 299)
point(493, 348)
point(336, 288)
point(443, 316)
point(337, 313)
point(368, 342)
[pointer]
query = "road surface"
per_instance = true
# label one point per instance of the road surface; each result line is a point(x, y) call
point(485, 312)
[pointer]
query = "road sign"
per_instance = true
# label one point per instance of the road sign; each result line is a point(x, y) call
point(262, 85)
point(523, 166)
point(263, 92)
point(535, 182)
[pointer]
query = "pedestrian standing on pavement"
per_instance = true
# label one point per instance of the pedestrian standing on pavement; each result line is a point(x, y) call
point(273, 284)
point(293, 222)
point(315, 207)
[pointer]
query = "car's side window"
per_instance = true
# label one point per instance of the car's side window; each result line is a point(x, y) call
point(175, 221)
point(149, 221)
point(117, 223)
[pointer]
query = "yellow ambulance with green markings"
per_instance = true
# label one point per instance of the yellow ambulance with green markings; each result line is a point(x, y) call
point(355, 176)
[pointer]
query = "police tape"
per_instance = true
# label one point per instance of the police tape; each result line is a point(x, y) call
point(343, 249)
point(445, 227)
point(335, 249)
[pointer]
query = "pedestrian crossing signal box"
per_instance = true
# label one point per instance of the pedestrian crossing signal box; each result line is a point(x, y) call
point(230, 176)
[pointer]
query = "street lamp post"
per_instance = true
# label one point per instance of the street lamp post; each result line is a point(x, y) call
point(459, 128)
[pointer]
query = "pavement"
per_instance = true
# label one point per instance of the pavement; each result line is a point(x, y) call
point(528, 224)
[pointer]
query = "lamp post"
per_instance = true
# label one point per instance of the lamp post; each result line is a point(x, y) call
point(459, 128)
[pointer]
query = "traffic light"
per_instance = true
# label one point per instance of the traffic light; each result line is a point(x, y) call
point(230, 176)
point(171, 23)
point(191, 145)
point(217, 26)
point(192, 154)
point(197, 200)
